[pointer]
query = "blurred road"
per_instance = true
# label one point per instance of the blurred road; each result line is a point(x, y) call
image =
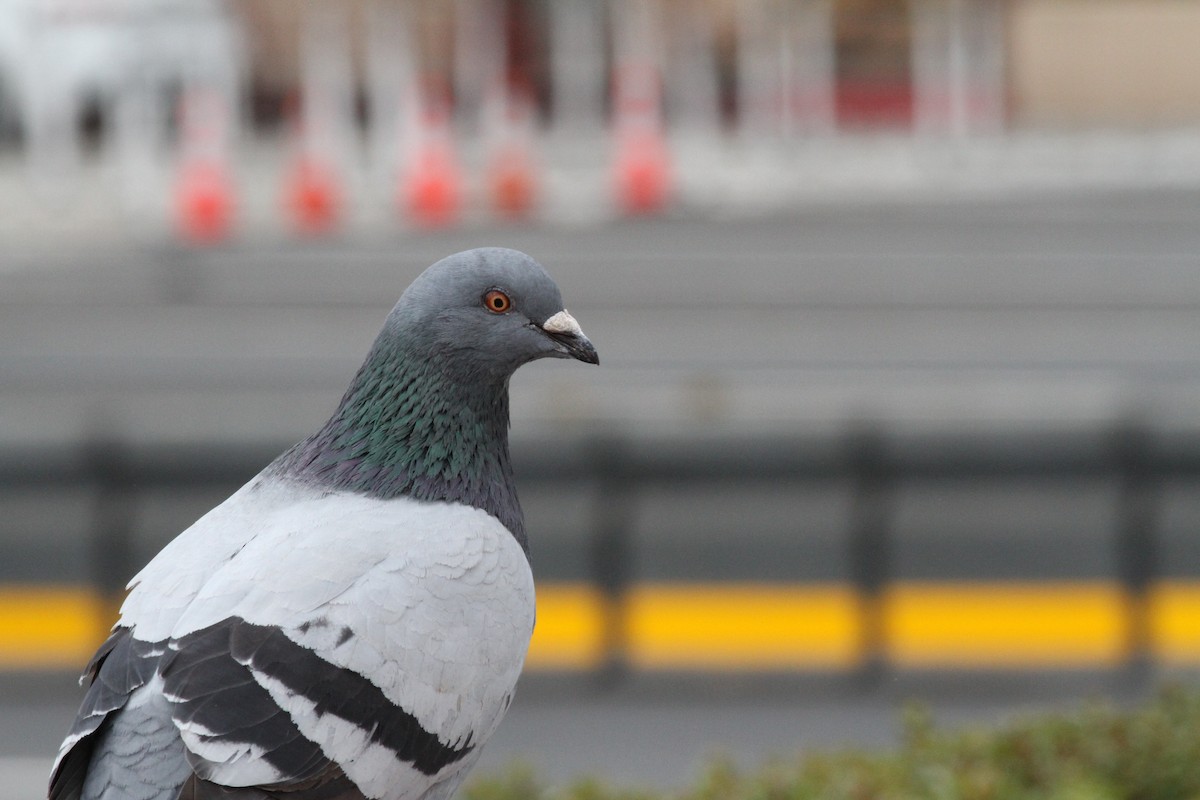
point(1043, 311)
point(1040, 308)
point(1047, 310)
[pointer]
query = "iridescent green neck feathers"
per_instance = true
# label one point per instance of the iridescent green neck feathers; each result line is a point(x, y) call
point(408, 427)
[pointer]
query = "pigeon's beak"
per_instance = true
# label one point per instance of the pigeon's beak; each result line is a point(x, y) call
point(564, 330)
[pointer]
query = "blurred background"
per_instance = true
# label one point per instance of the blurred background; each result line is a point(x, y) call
point(898, 304)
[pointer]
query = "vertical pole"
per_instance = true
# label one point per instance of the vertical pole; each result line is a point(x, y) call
point(577, 67)
point(869, 541)
point(480, 58)
point(810, 102)
point(958, 67)
point(958, 82)
point(691, 79)
point(991, 45)
point(112, 518)
point(1136, 546)
point(759, 84)
point(612, 556)
point(928, 67)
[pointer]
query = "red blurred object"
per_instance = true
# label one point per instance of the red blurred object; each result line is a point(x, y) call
point(512, 182)
point(512, 168)
point(204, 202)
point(643, 174)
point(313, 197)
point(642, 166)
point(874, 104)
point(204, 191)
point(431, 192)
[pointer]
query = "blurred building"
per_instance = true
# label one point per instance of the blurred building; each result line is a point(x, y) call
point(84, 59)
point(1071, 62)
point(1125, 62)
point(1051, 62)
point(1034, 62)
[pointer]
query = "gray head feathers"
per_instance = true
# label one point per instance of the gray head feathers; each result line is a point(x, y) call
point(444, 313)
point(427, 413)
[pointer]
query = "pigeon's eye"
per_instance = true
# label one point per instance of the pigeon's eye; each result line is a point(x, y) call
point(497, 301)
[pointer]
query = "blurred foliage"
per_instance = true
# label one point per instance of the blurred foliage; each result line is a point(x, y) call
point(1096, 753)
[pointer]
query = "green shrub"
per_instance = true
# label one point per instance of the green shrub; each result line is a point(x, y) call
point(1096, 753)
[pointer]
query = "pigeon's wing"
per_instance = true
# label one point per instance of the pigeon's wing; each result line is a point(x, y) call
point(127, 739)
point(126, 663)
point(121, 666)
point(337, 787)
point(374, 641)
point(240, 693)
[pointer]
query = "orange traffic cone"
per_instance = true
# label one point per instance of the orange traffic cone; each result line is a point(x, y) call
point(204, 202)
point(642, 173)
point(512, 170)
point(204, 194)
point(431, 193)
point(313, 196)
point(512, 183)
point(431, 186)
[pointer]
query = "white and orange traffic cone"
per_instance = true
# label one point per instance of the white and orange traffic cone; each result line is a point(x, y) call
point(204, 191)
point(313, 196)
point(642, 172)
point(512, 174)
point(315, 187)
point(431, 181)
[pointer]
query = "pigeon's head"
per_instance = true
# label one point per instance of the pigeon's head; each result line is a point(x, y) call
point(487, 312)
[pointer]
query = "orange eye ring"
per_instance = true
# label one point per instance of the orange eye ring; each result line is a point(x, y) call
point(497, 301)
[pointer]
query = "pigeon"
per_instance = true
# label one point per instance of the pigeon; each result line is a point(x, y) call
point(351, 623)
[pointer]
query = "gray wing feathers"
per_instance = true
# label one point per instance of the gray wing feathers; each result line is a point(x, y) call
point(138, 755)
point(126, 744)
point(120, 667)
point(331, 786)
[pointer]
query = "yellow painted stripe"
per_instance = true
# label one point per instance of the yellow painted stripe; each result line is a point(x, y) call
point(569, 634)
point(50, 626)
point(742, 626)
point(1006, 624)
point(1174, 608)
point(748, 626)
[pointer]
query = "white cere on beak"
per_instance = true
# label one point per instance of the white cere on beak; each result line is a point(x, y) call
point(562, 322)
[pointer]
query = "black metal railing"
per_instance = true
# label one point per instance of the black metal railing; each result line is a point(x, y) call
point(872, 459)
